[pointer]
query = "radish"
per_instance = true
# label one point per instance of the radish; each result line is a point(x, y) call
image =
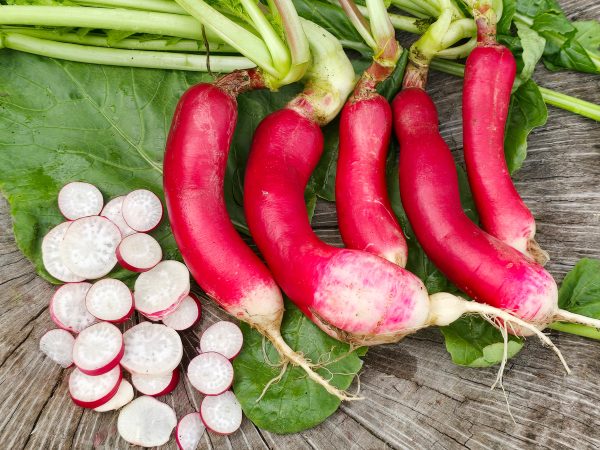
point(160, 290)
point(151, 349)
point(156, 385)
point(58, 346)
point(142, 210)
point(77, 200)
point(221, 414)
point(110, 300)
point(146, 422)
point(123, 396)
point(112, 211)
point(186, 315)
point(51, 255)
point(98, 348)
point(222, 337)
point(189, 431)
point(210, 373)
point(67, 307)
point(139, 252)
point(90, 391)
point(89, 245)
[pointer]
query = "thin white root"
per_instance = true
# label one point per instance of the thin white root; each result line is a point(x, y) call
point(266, 355)
point(503, 330)
point(566, 316)
point(273, 381)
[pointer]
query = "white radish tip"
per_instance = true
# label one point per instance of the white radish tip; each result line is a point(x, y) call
point(222, 337)
point(111, 300)
point(77, 200)
point(186, 315)
point(112, 211)
point(210, 373)
point(123, 396)
point(160, 290)
point(98, 349)
point(146, 422)
point(151, 349)
point(189, 431)
point(221, 414)
point(139, 252)
point(58, 346)
point(67, 307)
point(156, 385)
point(51, 255)
point(92, 391)
point(142, 210)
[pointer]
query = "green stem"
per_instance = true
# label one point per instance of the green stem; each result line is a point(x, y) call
point(411, 8)
point(167, 6)
point(577, 329)
point(388, 49)
point(357, 18)
point(459, 52)
point(402, 23)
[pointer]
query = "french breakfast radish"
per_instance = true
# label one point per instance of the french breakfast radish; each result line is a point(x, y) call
point(98, 348)
point(139, 252)
point(90, 391)
point(151, 349)
point(109, 299)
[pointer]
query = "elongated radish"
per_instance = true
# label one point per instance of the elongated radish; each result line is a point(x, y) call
point(210, 373)
point(112, 211)
point(51, 255)
point(67, 307)
point(146, 422)
point(58, 346)
point(222, 337)
point(221, 414)
point(90, 391)
point(111, 300)
point(142, 210)
point(189, 431)
point(160, 290)
point(98, 348)
point(123, 396)
point(151, 349)
point(76, 200)
point(139, 252)
point(186, 315)
point(156, 385)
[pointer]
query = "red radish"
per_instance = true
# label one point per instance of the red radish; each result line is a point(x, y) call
point(160, 290)
point(189, 431)
point(186, 315)
point(156, 385)
point(139, 252)
point(67, 307)
point(142, 210)
point(98, 348)
point(77, 200)
point(58, 346)
point(89, 245)
point(221, 414)
point(151, 349)
point(210, 373)
point(123, 396)
point(51, 255)
point(222, 337)
point(90, 391)
point(111, 300)
point(146, 422)
point(112, 211)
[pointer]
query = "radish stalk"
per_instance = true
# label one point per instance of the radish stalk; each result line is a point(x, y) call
point(167, 6)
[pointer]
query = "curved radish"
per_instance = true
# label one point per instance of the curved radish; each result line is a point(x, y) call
point(77, 200)
point(123, 396)
point(142, 210)
point(186, 315)
point(67, 307)
point(90, 391)
point(222, 337)
point(51, 255)
point(139, 252)
point(160, 290)
point(221, 414)
point(89, 245)
point(98, 348)
point(110, 300)
point(112, 211)
point(146, 422)
point(156, 385)
point(210, 373)
point(58, 346)
point(189, 431)
point(151, 349)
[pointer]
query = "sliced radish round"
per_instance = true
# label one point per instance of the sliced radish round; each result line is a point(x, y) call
point(77, 199)
point(89, 245)
point(92, 391)
point(210, 373)
point(189, 431)
point(146, 422)
point(58, 346)
point(51, 255)
point(186, 315)
point(221, 414)
point(222, 337)
point(112, 211)
point(110, 300)
point(123, 396)
point(139, 252)
point(98, 348)
point(67, 307)
point(161, 289)
point(155, 385)
point(142, 210)
point(151, 349)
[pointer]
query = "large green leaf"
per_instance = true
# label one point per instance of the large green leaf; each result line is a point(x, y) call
point(580, 290)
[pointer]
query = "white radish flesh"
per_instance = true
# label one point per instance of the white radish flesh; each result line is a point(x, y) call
point(210, 373)
point(142, 210)
point(155, 385)
point(110, 300)
point(123, 396)
point(189, 431)
point(89, 245)
point(185, 316)
point(139, 252)
point(221, 414)
point(98, 348)
point(146, 422)
point(160, 290)
point(92, 391)
point(151, 349)
point(77, 200)
point(58, 346)
point(222, 337)
point(51, 255)
point(67, 307)
point(112, 211)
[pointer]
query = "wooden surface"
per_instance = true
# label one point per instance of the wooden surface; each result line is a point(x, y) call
point(415, 397)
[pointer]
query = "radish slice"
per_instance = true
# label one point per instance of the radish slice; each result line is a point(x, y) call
point(155, 385)
point(112, 211)
point(142, 210)
point(67, 307)
point(151, 349)
point(51, 255)
point(77, 200)
point(110, 300)
point(146, 422)
point(210, 373)
point(98, 349)
point(189, 431)
point(161, 289)
point(139, 252)
point(185, 316)
point(222, 337)
point(58, 346)
point(221, 413)
point(123, 396)
point(90, 392)
point(88, 247)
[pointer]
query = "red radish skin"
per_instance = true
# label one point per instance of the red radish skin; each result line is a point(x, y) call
point(82, 385)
